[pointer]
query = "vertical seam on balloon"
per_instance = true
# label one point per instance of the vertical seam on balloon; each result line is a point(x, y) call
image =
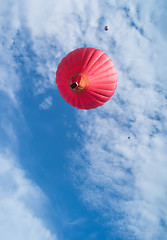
point(76, 100)
point(89, 59)
point(67, 63)
point(81, 103)
point(95, 62)
point(59, 72)
point(71, 57)
point(76, 55)
point(83, 56)
point(102, 81)
point(99, 94)
point(103, 94)
point(97, 100)
point(65, 58)
point(101, 66)
point(104, 85)
point(110, 75)
point(67, 99)
point(79, 100)
point(65, 90)
point(93, 105)
point(59, 80)
point(78, 95)
point(101, 73)
point(59, 69)
point(71, 102)
point(102, 89)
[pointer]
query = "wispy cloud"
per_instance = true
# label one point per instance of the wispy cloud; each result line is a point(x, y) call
point(20, 198)
point(46, 104)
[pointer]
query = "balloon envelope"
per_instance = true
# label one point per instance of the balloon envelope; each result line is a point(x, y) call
point(86, 78)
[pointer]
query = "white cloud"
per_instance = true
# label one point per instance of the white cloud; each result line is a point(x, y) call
point(46, 104)
point(19, 200)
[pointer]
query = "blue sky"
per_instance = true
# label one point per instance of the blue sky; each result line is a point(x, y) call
point(69, 174)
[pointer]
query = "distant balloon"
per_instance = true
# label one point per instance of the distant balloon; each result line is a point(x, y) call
point(86, 78)
point(106, 28)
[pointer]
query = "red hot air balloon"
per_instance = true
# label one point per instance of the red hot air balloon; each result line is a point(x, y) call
point(106, 28)
point(86, 78)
